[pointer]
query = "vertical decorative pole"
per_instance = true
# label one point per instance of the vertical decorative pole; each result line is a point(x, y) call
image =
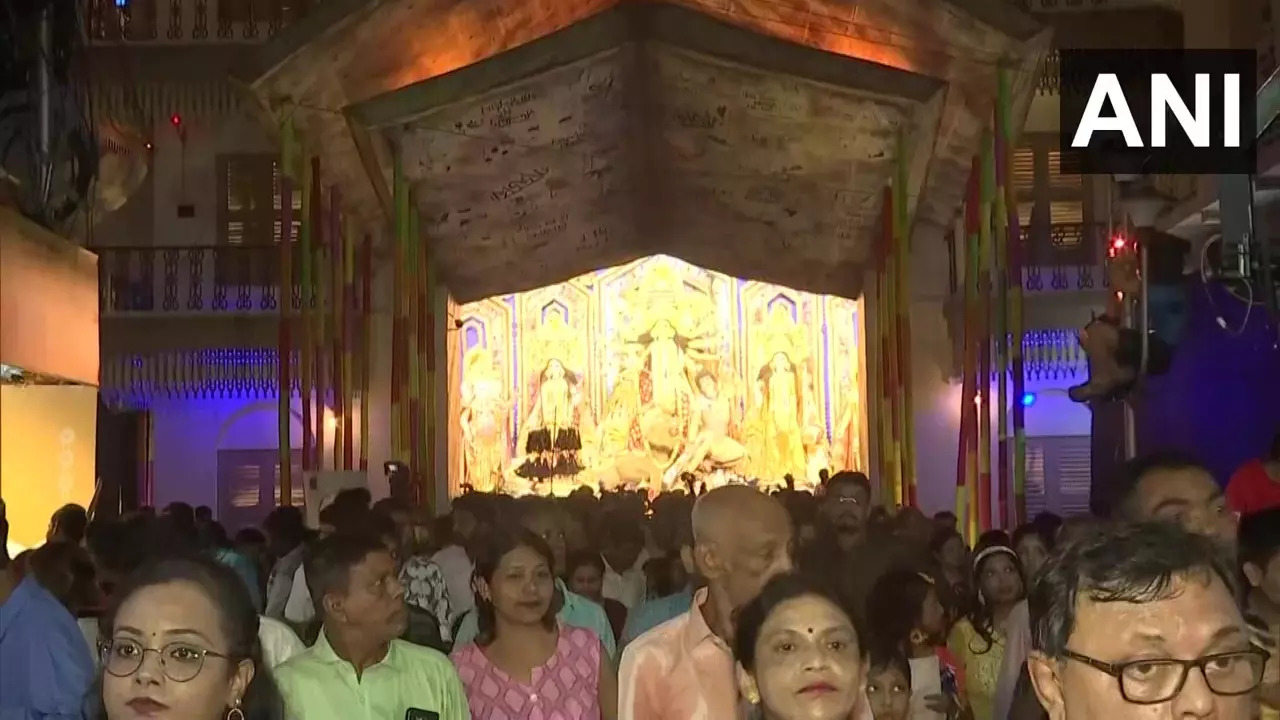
point(284, 296)
point(987, 189)
point(348, 339)
point(885, 297)
point(969, 401)
point(398, 400)
point(426, 364)
point(433, 378)
point(902, 285)
point(960, 284)
point(894, 390)
point(320, 312)
point(1016, 248)
point(366, 345)
point(876, 382)
point(306, 379)
point(335, 321)
point(1001, 336)
point(413, 381)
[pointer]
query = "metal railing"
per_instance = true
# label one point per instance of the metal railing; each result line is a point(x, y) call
point(184, 21)
point(201, 279)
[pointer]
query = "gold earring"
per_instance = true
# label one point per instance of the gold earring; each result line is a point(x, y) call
point(235, 713)
point(917, 637)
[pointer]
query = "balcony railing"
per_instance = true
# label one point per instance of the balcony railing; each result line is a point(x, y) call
point(184, 21)
point(177, 280)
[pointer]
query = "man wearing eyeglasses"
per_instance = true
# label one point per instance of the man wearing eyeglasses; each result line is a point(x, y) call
point(1141, 621)
point(844, 554)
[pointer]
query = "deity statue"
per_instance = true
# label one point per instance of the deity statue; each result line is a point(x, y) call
point(484, 421)
point(848, 433)
point(776, 437)
point(664, 382)
point(782, 428)
point(711, 444)
point(551, 438)
point(622, 406)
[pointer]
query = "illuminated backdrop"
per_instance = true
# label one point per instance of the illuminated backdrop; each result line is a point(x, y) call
point(643, 347)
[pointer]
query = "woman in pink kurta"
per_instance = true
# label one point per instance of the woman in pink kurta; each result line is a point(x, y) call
point(566, 687)
point(523, 664)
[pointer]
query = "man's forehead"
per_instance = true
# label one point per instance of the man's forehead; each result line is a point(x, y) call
point(845, 490)
point(375, 563)
point(759, 532)
point(1195, 607)
point(1191, 484)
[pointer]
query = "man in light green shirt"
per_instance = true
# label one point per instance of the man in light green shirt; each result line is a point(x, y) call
point(358, 669)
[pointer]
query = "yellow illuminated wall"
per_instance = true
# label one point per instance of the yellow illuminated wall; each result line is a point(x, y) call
point(47, 443)
point(608, 327)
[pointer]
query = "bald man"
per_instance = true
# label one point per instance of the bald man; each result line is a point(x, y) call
point(683, 669)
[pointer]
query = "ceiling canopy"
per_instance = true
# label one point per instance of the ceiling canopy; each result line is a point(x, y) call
point(644, 128)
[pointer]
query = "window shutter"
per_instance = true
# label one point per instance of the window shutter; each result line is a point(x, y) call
point(244, 486)
point(1057, 179)
point(1074, 472)
point(296, 490)
point(1035, 479)
point(1024, 169)
point(1058, 472)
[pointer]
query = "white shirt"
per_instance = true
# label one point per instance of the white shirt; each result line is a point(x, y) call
point(457, 569)
point(926, 680)
point(627, 587)
point(280, 582)
point(279, 642)
point(1017, 646)
point(299, 609)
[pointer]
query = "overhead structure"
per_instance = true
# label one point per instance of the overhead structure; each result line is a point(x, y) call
point(546, 139)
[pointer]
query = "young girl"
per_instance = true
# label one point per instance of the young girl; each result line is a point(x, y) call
point(909, 620)
point(977, 641)
point(889, 686)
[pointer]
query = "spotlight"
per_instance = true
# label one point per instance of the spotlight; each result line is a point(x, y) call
point(1028, 399)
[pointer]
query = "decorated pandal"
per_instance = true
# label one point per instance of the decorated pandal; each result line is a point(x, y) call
point(653, 375)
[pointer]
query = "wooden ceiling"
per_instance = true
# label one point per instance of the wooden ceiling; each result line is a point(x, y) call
point(548, 138)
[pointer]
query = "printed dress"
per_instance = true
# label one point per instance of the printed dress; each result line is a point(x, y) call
point(565, 688)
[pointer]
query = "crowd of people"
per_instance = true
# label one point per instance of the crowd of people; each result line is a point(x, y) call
point(732, 603)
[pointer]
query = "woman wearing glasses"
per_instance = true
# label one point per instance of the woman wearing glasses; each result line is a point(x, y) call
point(182, 644)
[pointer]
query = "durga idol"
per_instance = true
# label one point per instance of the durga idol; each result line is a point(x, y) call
point(552, 438)
point(776, 436)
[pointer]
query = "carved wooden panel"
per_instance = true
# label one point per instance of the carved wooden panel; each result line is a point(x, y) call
point(796, 165)
point(649, 148)
point(537, 171)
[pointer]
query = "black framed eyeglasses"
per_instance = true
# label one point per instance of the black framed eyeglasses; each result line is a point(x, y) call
point(1148, 682)
point(179, 661)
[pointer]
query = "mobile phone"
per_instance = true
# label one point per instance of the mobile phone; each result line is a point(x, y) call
point(419, 714)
